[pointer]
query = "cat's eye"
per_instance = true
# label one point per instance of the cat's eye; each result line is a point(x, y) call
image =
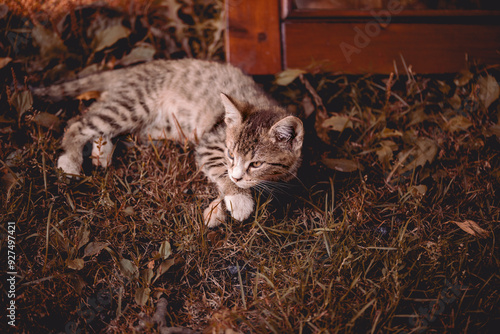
point(230, 155)
point(256, 164)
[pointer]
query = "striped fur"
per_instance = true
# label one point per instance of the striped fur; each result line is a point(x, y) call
point(242, 138)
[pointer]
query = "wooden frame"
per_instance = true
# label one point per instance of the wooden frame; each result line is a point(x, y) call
point(266, 36)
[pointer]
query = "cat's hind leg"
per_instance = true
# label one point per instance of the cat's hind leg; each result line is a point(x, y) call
point(102, 120)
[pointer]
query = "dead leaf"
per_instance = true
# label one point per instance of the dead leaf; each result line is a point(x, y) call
point(5, 61)
point(165, 250)
point(22, 101)
point(385, 151)
point(142, 296)
point(488, 90)
point(76, 264)
point(418, 191)
point(139, 54)
point(458, 123)
point(164, 266)
point(308, 106)
point(337, 123)
point(109, 36)
point(386, 133)
point(47, 120)
point(90, 95)
point(288, 76)
point(425, 151)
point(472, 227)
point(84, 239)
point(51, 45)
point(341, 165)
point(128, 269)
point(418, 116)
point(464, 78)
point(147, 275)
point(94, 248)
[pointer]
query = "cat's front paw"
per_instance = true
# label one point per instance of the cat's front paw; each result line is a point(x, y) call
point(68, 165)
point(240, 205)
point(214, 215)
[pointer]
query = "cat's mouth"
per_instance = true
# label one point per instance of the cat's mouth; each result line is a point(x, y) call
point(244, 184)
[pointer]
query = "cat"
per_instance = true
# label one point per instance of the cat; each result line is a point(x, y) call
point(243, 139)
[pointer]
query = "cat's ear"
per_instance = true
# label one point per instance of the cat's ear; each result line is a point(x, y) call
point(233, 115)
point(290, 131)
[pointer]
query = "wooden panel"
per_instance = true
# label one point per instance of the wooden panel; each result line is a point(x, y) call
point(253, 39)
point(362, 48)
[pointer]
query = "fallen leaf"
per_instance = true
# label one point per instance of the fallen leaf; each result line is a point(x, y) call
point(488, 90)
point(418, 116)
point(139, 54)
point(164, 266)
point(51, 45)
point(385, 151)
point(288, 76)
point(47, 120)
point(5, 61)
point(458, 123)
point(386, 133)
point(128, 269)
point(22, 101)
point(418, 191)
point(165, 250)
point(94, 248)
point(142, 296)
point(337, 123)
point(109, 36)
point(84, 239)
point(425, 151)
point(341, 165)
point(76, 264)
point(147, 275)
point(464, 78)
point(472, 227)
point(90, 95)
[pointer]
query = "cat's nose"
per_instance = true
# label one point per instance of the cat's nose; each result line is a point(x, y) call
point(237, 179)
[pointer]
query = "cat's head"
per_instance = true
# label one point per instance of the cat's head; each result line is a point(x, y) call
point(263, 143)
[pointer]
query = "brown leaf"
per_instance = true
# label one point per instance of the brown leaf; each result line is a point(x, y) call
point(341, 165)
point(337, 123)
point(47, 120)
point(90, 95)
point(488, 90)
point(165, 250)
point(94, 248)
point(128, 268)
point(464, 78)
point(142, 296)
point(109, 36)
point(472, 227)
point(425, 151)
point(288, 76)
point(22, 101)
point(139, 54)
point(5, 61)
point(458, 123)
point(76, 264)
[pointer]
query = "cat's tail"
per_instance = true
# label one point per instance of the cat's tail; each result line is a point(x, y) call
point(94, 82)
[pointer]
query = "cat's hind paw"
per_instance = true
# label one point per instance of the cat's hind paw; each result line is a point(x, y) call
point(214, 215)
point(240, 205)
point(102, 151)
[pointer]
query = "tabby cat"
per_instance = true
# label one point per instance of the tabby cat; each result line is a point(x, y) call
point(243, 139)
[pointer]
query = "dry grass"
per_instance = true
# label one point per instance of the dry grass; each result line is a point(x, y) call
point(370, 243)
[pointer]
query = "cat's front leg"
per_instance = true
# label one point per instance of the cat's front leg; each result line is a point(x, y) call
point(240, 205)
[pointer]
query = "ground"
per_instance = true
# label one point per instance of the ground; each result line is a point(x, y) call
point(390, 227)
